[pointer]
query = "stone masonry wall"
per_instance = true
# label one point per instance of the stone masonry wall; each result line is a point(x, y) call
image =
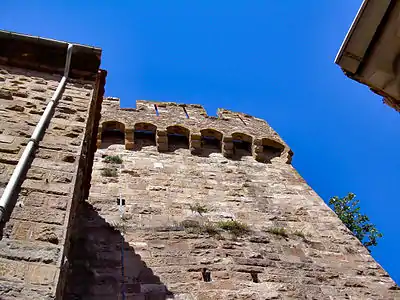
point(36, 236)
point(203, 223)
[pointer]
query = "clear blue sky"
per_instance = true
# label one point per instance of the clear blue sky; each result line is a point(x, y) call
point(270, 59)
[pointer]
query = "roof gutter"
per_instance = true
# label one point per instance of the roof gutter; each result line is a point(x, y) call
point(350, 31)
point(49, 42)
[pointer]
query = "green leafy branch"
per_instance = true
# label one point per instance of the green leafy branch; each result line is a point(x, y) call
point(348, 211)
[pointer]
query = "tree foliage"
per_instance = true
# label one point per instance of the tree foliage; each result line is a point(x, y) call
point(348, 210)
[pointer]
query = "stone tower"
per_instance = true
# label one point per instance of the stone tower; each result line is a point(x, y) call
point(187, 206)
point(156, 202)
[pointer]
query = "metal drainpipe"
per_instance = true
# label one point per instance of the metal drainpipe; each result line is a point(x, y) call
point(21, 168)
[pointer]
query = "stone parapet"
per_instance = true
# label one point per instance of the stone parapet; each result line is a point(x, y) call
point(229, 128)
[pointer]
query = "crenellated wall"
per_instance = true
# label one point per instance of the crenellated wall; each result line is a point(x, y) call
point(192, 119)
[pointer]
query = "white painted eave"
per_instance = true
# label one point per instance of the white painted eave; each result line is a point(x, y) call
point(361, 33)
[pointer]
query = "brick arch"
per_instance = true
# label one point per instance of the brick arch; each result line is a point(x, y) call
point(242, 137)
point(212, 133)
point(111, 133)
point(178, 137)
point(144, 134)
point(266, 149)
point(211, 140)
point(178, 129)
point(145, 126)
point(270, 143)
point(242, 144)
point(113, 124)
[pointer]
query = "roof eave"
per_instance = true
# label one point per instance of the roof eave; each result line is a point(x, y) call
point(361, 34)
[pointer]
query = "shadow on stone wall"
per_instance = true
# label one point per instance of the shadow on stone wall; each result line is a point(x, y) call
point(95, 270)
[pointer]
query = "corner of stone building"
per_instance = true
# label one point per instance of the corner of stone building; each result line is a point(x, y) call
point(247, 120)
point(58, 177)
point(84, 172)
point(111, 102)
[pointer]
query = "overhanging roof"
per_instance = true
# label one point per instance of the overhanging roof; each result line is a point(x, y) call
point(361, 33)
point(370, 52)
point(48, 55)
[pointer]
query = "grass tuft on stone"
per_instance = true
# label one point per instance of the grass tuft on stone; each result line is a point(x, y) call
point(114, 159)
point(197, 207)
point(192, 226)
point(108, 172)
point(300, 234)
point(278, 231)
point(210, 229)
point(235, 227)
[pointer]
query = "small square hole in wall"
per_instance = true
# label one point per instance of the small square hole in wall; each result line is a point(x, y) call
point(120, 201)
point(185, 111)
point(206, 274)
point(254, 277)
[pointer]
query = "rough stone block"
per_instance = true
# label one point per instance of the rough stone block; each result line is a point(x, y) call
point(12, 270)
point(6, 94)
point(28, 251)
point(39, 274)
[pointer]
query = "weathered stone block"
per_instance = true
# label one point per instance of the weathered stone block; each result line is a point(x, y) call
point(12, 270)
point(39, 274)
point(29, 251)
point(6, 94)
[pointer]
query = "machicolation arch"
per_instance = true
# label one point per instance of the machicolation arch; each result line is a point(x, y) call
point(211, 141)
point(144, 134)
point(235, 135)
point(242, 145)
point(177, 137)
point(112, 132)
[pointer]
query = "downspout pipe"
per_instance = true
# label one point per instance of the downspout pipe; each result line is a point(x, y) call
point(22, 166)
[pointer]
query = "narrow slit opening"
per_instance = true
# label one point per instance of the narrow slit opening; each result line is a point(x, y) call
point(120, 201)
point(156, 110)
point(254, 277)
point(242, 120)
point(206, 275)
point(185, 111)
